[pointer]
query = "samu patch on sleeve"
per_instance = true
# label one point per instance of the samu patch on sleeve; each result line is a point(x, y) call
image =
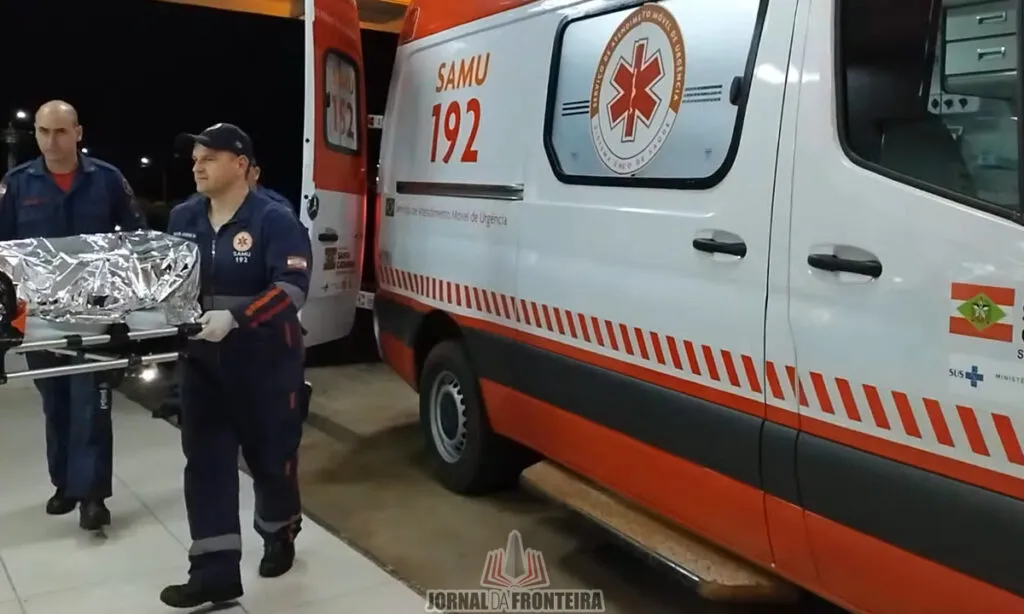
point(297, 263)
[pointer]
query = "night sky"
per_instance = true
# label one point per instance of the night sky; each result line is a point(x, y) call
point(140, 71)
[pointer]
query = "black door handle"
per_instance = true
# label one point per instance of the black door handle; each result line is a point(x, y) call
point(831, 262)
point(711, 246)
point(327, 237)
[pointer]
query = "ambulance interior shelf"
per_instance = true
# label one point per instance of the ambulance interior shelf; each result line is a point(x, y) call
point(113, 350)
point(973, 91)
point(979, 48)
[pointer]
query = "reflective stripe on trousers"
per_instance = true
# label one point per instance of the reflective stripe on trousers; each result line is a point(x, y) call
point(276, 525)
point(219, 543)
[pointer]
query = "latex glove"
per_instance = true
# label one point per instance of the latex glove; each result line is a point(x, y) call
point(216, 325)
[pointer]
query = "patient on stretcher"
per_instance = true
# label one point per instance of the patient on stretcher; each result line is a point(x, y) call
point(104, 278)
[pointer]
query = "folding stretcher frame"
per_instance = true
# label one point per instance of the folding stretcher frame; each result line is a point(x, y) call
point(115, 351)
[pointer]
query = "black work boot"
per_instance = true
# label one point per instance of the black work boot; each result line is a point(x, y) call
point(278, 557)
point(193, 594)
point(58, 504)
point(93, 515)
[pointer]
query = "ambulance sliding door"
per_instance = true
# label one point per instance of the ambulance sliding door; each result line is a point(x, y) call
point(906, 285)
point(334, 167)
point(662, 269)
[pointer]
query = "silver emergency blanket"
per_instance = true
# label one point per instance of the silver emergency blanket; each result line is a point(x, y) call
point(103, 278)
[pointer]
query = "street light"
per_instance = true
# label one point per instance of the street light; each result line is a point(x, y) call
point(85, 150)
point(22, 115)
point(149, 163)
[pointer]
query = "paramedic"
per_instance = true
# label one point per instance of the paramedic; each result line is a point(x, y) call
point(242, 376)
point(253, 177)
point(65, 193)
point(171, 404)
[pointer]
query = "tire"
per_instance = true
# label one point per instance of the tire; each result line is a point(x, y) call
point(468, 457)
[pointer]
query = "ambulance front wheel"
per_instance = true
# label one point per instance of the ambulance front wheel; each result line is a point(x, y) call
point(468, 456)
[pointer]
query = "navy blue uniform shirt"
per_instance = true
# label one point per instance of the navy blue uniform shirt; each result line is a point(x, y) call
point(32, 205)
point(274, 196)
point(256, 265)
point(271, 194)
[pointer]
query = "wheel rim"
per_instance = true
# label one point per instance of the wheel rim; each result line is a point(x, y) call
point(448, 417)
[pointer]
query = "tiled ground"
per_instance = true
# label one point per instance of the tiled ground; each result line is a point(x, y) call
point(49, 566)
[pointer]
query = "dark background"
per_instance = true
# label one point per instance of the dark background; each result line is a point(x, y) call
point(141, 71)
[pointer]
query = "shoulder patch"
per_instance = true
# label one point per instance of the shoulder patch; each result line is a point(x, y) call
point(127, 187)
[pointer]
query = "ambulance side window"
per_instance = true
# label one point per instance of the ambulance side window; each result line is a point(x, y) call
point(945, 120)
point(341, 102)
point(651, 95)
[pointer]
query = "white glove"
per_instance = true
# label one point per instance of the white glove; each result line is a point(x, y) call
point(216, 325)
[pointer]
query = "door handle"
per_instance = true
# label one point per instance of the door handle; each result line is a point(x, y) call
point(712, 246)
point(328, 237)
point(831, 262)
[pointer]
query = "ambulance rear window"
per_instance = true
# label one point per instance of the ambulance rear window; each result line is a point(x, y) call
point(651, 95)
point(341, 108)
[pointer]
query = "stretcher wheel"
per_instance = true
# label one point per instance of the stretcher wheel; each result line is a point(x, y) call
point(469, 457)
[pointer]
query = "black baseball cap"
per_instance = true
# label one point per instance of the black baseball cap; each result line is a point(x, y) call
point(221, 137)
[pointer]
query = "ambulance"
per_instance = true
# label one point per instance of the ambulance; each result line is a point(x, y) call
point(744, 276)
point(334, 183)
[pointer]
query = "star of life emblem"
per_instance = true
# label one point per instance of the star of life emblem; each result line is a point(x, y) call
point(637, 89)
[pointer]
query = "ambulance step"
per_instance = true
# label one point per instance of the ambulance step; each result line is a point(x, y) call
point(717, 575)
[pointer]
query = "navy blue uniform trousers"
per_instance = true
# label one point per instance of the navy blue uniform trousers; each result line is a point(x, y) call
point(79, 431)
point(244, 392)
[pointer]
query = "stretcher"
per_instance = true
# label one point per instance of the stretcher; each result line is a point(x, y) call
point(100, 300)
point(114, 347)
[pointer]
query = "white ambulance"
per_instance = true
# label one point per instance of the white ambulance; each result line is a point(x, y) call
point(755, 267)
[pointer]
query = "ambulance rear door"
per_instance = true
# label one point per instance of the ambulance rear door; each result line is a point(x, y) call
point(334, 167)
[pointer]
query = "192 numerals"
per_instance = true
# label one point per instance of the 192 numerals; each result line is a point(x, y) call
point(343, 116)
point(452, 124)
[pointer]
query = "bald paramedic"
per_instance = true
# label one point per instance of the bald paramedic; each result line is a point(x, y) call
point(59, 194)
point(242, 377)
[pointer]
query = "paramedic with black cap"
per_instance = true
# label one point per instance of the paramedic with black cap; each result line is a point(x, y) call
point(242, 376)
